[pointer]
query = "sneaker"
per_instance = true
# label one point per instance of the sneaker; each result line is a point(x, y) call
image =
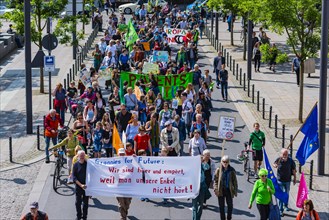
point(281, 214)
point(142, 199)
point(47, 160)
point(256, 176)
point(217, 87)
point(147, 200)
point(205, 205)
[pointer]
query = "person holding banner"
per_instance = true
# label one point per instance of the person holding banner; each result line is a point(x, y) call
point(79, 178)
point(225, 187)
point(286, 168)
point(124, 202)
point(262, 192)
point(308, 212)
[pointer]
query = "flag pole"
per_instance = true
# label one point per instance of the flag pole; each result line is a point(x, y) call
point(220, 164)
point(302, 125)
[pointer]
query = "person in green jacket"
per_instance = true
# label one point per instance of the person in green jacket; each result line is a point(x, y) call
point(70, 142)
point(262, 191)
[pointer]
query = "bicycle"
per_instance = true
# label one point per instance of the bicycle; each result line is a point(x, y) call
point(244, 157)
point(58, 168)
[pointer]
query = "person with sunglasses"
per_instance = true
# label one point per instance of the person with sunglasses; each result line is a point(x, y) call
point(262, 192)
point(225, 187)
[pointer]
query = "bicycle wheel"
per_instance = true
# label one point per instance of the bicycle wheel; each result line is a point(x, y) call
point(245, 169)
point(56, 176)
point(248, 169)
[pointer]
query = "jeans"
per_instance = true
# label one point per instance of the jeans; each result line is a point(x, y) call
point(285, 187)
point(224, 89)
point(61, 113)
point(201, 31)
point(47, 139)
point(297, 75)
point(192, 63)
point(197, 204)
point(80, 196)
point(229, 201)
point(257, 62)
point(181, 152)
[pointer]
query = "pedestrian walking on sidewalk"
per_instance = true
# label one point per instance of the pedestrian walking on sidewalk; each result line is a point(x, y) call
point(225, 187)
point(34, 213)
point(79, 178)
point(60, 101)
point(286, 168)
point(296, 67)
point(223, 76)
point(217, 64)
point(124, 202)
point(257, 142)
point(262, 192)
point(257, 56)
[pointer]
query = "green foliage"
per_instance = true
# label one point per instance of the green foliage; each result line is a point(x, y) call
point(269, 53)
point(17, 17)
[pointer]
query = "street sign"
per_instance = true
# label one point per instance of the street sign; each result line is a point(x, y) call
point(49, 63)
point(49, 42)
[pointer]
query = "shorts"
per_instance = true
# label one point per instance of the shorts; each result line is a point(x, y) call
point(258, 155)
point(97, 147)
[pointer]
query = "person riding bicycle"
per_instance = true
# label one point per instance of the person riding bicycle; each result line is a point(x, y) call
point(70, 142)
point(52, 121)
point(257, 142)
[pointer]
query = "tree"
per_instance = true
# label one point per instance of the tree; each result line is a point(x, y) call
point(41, 10)
point(301, 21)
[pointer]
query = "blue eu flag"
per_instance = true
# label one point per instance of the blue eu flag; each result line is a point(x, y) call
point(310, 142)
point(279, 194)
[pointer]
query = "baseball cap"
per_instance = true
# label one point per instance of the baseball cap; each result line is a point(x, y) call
point(34, 205)
point(168, 123)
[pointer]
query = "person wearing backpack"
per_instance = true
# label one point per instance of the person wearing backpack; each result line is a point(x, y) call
point(286, 168)
point(257, 142)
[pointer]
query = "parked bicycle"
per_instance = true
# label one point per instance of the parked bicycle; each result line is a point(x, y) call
point(244, 157)
point(58, 168)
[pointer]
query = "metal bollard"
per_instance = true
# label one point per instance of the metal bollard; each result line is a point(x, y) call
point(291, 145)
point(248, 88)
point(70, 74)
point(38, 137)
point(67, 80)
point(230, 63)
point(225, 55)
point(11, 149)
point(73, 70)
point(244, 81)
point(240, 76)
point(233, 67)
point(65, 84)
point(283, 134)
point(311, 174)
point(263, 108)
point(257, 100)
point(253, 93)
point(237, 72)
point(276, 126)
point(270, 118)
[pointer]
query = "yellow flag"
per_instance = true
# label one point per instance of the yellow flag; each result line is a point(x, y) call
point(116, 141)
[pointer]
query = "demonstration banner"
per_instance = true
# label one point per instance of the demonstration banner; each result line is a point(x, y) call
point(168, 85)
point(150, 177)
point(162, 56)
point(84, 77)
point(105, 73)
point(175, 35)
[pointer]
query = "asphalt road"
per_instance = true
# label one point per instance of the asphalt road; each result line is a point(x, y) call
point(61, 204)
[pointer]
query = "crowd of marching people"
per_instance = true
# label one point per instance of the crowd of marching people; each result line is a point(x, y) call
point(151, 124)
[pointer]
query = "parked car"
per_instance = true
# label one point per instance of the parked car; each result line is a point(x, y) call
point(4, 10)
point(132, 7)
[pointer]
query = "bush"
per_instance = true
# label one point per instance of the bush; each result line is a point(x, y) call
point(269, 53)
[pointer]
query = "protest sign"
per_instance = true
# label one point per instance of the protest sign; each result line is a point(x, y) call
point(105, 73)
point(152, 68)
point(150, 177)
point(226, 127)
point(175, 35)
point(168, 85)
point(162, 56)
point(84, 77)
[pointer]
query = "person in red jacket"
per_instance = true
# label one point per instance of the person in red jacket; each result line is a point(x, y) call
point(52, 121)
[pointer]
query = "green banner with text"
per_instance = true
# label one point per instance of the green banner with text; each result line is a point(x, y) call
point(168, 85)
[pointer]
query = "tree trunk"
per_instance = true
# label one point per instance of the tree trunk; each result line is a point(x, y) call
point(244, 39)
point(42, 86)
point(301, 92)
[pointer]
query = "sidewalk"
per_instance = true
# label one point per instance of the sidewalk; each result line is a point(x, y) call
point(281, 92)
point(12, 101)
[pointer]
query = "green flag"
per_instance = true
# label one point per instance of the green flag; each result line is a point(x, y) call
point(168, 85)
point(131, 36)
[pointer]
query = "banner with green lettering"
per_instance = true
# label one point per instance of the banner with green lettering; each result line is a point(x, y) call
point(168, 85)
